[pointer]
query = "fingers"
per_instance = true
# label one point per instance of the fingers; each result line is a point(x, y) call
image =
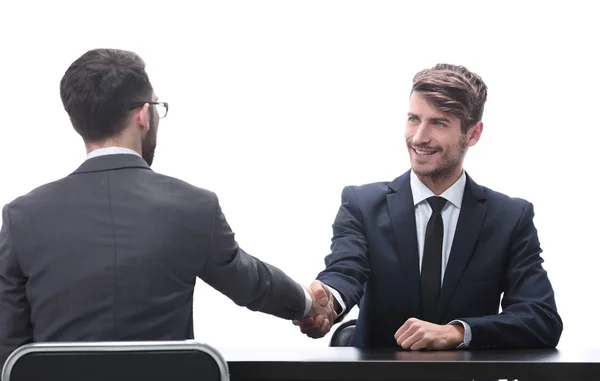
point(315, 327)
point(401, 331)
point(407, 324)
point(322, 314)
point(412, 341)
point(407, 337)
point(418, 345)
point(412, 335)
point(322, 301)
point(321, 292)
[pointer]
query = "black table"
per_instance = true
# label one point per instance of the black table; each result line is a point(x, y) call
point(351, 364)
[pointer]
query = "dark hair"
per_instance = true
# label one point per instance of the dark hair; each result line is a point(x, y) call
point(98, 89)
point(453, 89)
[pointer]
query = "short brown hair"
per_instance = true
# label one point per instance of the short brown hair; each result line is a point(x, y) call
point(453, 89)
point(99, 88)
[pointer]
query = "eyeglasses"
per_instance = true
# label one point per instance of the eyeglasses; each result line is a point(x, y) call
point(162, 108)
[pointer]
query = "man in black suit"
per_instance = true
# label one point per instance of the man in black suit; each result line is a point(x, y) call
point(430, 255)
point(112, 251)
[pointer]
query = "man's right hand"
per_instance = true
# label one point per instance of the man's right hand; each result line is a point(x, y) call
point(322, 315)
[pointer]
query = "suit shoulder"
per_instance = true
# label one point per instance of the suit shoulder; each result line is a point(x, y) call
point(375, 188)
point(508, 205)
point(48, 189)
point(366, 195)
point(504, 199)
point(182, 186)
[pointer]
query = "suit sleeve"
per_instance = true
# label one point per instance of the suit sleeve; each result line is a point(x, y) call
point(246, 280)
point(15, 315)
point(529, 318)
point(347, 267)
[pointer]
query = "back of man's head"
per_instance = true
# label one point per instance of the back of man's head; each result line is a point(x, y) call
point(98, 90)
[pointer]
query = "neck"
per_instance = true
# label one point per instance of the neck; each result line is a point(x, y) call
point(114, 142)
point(438, 184)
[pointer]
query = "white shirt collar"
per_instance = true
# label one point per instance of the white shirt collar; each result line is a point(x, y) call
point(111, 151)
point(454, 194)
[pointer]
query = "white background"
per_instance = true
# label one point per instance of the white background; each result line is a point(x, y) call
point(276, 105)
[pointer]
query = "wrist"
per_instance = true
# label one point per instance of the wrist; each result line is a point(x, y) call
point(308, 301)
point(456, 335)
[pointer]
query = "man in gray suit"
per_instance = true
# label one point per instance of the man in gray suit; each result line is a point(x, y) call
point(112, 251)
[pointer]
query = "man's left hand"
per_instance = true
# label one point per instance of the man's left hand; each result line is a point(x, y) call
point(417, 334)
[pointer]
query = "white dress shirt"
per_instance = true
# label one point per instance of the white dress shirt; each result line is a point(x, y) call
point(122, 150)
point(450, 213)
point(111, 151)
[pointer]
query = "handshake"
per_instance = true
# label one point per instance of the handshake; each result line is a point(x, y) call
point(322, 314)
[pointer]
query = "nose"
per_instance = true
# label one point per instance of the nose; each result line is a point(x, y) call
point(421, 135)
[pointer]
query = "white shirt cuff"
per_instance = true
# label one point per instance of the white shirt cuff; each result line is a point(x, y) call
point(467, 339)
point(308, 305)
point(338, 297)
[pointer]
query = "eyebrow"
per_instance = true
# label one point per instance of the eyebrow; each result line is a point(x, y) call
point(440, 119)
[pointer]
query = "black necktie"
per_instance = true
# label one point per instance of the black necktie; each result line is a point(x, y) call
point(431, 266)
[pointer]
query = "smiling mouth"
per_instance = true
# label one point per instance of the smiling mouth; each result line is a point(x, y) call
point(424, 152)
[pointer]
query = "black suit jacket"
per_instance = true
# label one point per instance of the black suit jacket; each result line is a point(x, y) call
point(495, 252)
point(112, 252)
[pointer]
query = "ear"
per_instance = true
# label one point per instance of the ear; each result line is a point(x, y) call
point(142, 117)
point(474, 134)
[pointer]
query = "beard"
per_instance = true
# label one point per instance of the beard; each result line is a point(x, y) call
point(149, 141)
point(449, 163)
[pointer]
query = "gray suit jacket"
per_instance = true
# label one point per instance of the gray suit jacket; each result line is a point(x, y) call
point(112, 252)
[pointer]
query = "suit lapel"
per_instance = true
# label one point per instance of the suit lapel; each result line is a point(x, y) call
point(402, 215)
point(470, 220)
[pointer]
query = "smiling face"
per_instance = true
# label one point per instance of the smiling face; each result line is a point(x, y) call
point(435, 141)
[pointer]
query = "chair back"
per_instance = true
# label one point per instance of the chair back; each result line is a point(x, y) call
point(343, 334)
point(116, 361)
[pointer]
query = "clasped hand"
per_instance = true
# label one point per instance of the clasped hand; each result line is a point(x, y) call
point(417, 334)
point(322, 315)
